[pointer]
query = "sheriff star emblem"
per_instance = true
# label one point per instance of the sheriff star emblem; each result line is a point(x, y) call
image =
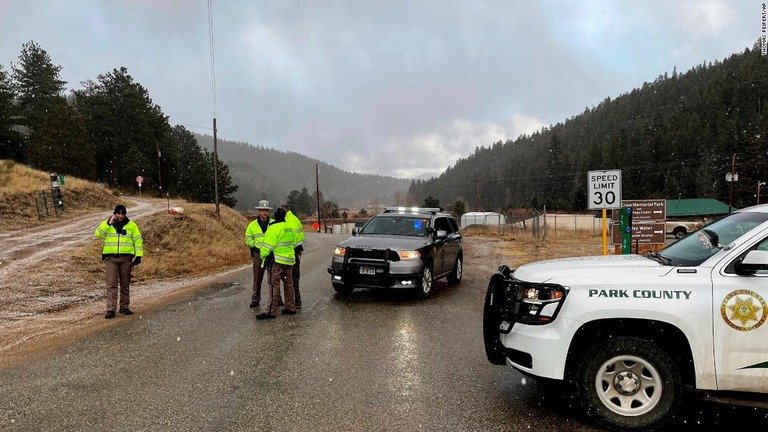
point(744, 310)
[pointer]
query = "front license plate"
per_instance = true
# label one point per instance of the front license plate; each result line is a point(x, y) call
point(367, 270)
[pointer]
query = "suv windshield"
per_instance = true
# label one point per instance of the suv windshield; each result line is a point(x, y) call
point(397, 225)
point(689, 251)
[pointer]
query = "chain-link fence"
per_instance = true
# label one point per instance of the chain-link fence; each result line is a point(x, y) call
point(535, 223)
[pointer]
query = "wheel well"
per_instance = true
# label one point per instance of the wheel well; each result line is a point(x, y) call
point(669, 337)
point(680, 228)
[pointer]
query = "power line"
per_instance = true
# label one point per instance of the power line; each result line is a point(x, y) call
point(192, 126)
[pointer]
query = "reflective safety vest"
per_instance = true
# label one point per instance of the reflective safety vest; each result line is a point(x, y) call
point(279, 239)
point(129, 243)
point(298, 228)
point(254, 236)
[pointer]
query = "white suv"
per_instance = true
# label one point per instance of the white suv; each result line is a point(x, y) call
point(638, 336)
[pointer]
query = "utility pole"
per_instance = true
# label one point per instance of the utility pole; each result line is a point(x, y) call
point(216, 170)
point(317, 194)
point(159, 178)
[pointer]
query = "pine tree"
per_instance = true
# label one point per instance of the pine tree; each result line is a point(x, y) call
point(11, 141)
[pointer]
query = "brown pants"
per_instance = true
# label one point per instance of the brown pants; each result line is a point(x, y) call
point(118, 268)
point(258, 277)
point(277, 273)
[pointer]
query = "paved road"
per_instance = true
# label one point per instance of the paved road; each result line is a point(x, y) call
point(378, 361)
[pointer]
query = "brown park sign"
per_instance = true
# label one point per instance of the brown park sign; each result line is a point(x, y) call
point(642, 233)
point(644, 210)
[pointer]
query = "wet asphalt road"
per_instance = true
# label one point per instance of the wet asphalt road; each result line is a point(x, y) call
point(377, 361)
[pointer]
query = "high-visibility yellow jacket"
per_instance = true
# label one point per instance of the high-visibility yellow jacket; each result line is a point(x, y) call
point(129, 243)
point(254, 236)
point(298, 228)
point(279, 240)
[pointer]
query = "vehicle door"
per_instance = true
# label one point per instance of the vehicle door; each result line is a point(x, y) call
point(440, 223)
point(449, 245)
point(452, 244)
point(740, 310)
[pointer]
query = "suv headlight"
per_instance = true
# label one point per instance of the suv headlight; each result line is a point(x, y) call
point(409, 255)
point(533, 303)
point(339, 251)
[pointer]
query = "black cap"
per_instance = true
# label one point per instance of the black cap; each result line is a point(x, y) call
point(280, 214)
point(120, 209)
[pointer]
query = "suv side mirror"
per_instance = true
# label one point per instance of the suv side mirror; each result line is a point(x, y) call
point(441, 234)
point(355, 230)
point(753, 262)
point(709, 239)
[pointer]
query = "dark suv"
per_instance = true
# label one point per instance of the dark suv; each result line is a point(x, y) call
point(400, 248)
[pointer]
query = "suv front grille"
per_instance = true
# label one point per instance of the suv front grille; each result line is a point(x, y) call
point(372, 254)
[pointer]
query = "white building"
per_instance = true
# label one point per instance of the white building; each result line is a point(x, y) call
point(482, 218)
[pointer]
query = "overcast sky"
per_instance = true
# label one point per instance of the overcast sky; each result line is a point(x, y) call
point(400, 88)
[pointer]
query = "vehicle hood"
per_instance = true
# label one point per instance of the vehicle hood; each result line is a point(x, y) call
point(573, 271)
point(369, 241)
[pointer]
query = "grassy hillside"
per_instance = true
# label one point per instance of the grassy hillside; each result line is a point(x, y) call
point(170, 250)
point(19, 185)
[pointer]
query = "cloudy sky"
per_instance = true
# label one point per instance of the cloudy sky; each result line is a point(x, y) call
point(396, 87)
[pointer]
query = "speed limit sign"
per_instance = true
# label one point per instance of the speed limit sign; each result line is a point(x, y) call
point(604, 189)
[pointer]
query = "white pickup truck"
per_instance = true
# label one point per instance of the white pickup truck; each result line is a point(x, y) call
point(640, 336)
point(680, 229)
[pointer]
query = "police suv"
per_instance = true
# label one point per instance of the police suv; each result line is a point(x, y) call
point(639, 336)
point(401, 248)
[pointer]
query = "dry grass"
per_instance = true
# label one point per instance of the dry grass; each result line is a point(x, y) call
point(180, 245)
point(176, 245)
point(193, 243)
point(20, 184)
point(520, 248)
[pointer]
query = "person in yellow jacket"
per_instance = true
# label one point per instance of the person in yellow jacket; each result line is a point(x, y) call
point(122, 250)
point(278, 257)
point(298, 249)
point(254, 239)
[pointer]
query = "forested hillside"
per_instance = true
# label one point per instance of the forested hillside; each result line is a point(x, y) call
point(109, 131)
point(675, 137)
point(265, 173)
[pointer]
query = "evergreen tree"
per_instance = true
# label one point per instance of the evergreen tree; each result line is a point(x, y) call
point(304, 203)
point(61, 142)
point(292, 200)
point(36, 81)
point(11, 141)
point(127, 128)
point(431, 202)
point(39, 94)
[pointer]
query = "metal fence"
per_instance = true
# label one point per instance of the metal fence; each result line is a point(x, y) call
point(540, 225)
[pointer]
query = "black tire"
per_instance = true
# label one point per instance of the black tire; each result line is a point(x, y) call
point(679, 232)
point(343, 289)
point(454, 277)
point(426, 287)
point(629, 383)
point(494, 350)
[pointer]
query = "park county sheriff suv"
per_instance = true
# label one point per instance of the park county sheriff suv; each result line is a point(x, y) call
point(400, 248)
point(639, 336)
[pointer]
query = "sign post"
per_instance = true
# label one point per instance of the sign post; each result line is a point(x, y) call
point(139, 180)
point(604, 192)
point(625, 226)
